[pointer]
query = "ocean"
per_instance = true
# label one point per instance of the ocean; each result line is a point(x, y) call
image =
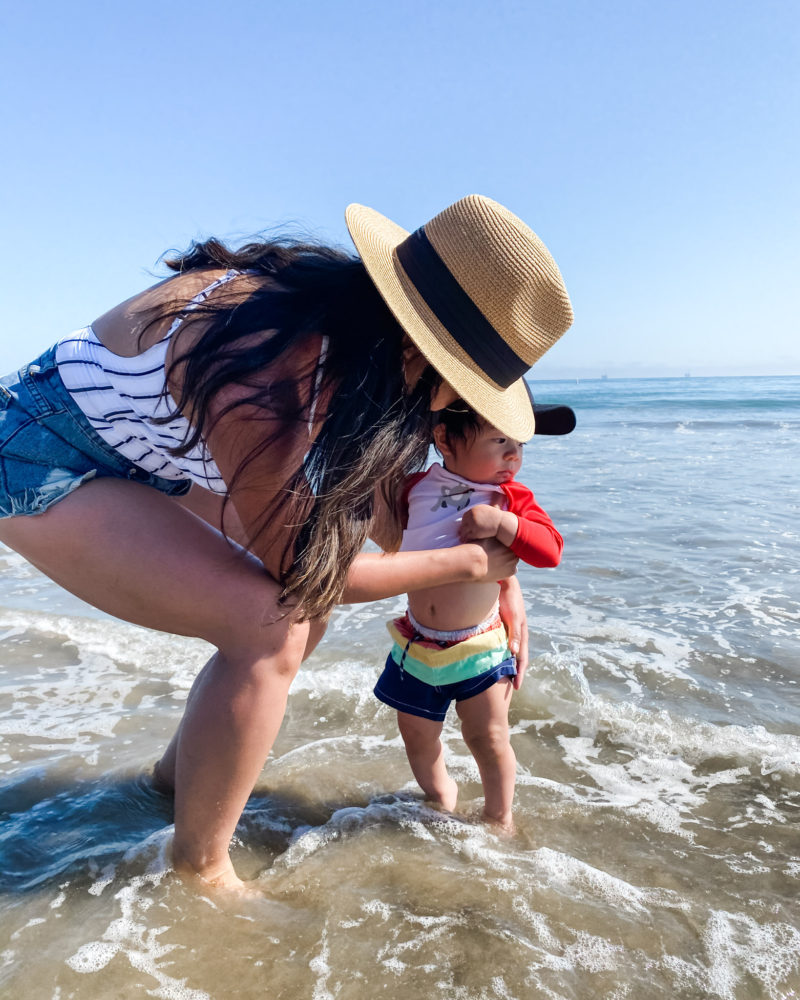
point(657, 734)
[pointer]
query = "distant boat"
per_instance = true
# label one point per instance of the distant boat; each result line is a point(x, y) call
point(687, 374)
point(604, 377)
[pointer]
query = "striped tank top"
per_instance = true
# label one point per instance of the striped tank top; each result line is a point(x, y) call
point(120, 397)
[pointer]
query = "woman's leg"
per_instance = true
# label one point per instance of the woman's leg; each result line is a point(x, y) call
point(426, 757)
point(484, 726)
point(134, 553)
point(164, 769)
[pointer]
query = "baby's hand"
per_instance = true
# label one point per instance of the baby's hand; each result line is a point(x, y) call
point(480, 521)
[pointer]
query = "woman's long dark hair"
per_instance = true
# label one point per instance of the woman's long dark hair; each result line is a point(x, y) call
point(373, 434)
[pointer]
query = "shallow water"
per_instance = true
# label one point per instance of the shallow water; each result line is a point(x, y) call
point(657, 737)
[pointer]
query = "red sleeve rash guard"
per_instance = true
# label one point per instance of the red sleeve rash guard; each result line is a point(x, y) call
point(537, 542)
point(434, 501)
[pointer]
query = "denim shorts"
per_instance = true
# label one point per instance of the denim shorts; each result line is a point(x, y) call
point(48, 448)
point(401, 690)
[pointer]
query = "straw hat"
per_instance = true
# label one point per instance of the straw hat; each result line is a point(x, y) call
point(478, 293)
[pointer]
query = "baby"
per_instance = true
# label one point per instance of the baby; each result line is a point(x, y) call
point(451, 644)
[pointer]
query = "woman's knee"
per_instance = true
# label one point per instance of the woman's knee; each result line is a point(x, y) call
point(257, 650)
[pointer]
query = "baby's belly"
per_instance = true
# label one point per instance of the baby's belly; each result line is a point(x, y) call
point(455, 605)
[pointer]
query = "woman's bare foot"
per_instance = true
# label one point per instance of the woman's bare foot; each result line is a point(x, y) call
point(224, 881)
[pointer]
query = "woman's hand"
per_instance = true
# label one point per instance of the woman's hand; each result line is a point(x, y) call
point(512, 611)
point(374, 576)
point(500, 562)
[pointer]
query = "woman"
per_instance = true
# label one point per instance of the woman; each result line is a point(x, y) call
point(274, 396)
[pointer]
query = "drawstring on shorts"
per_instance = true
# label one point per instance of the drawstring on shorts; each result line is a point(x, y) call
point(416, 637)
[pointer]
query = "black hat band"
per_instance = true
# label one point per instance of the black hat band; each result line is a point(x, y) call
point(456, 311)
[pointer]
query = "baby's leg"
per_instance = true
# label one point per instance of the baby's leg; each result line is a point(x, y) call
point(426, 757)
point(484, 726)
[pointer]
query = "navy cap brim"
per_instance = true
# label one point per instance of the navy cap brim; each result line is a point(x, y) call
point(552, 418)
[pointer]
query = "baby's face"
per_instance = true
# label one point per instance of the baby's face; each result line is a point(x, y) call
point(490, 457)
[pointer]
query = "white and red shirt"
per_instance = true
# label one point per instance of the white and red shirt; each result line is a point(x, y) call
point(435, 501)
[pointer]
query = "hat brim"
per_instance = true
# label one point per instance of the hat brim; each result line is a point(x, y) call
point(376, 238)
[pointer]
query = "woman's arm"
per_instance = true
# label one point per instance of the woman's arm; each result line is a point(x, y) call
point(386, 574)
point(376, 575)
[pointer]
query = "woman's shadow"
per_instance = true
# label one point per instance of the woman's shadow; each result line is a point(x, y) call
point(55, 828)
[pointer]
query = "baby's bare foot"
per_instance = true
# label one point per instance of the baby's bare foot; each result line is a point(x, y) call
point(503, 826)
point(449, 797)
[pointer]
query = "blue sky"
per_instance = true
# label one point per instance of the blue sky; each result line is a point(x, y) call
point(654, 146)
